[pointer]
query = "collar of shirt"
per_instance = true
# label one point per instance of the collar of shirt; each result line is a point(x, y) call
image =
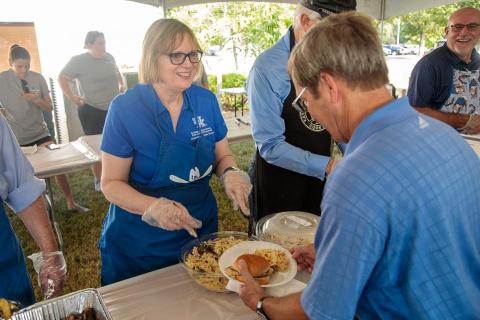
point(460, 64)
point(379, 119)
point(154, 100)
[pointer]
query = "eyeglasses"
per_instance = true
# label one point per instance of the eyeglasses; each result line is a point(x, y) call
point(177, 58)
point(25, 86)
point(299, 104)
point(459, 27)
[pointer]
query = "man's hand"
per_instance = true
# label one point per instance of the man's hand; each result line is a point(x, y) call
point(51, 269)
point(472, 126)
point(250, 291)
point(305, 257)
point(332, 163)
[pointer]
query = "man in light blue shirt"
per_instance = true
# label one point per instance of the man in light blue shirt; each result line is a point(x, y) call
point(399, 234)
point(293, 150)
point(22, 191)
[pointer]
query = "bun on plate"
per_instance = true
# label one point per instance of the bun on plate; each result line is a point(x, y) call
point(257, 266)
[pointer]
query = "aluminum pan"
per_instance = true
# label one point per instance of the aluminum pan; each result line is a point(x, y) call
point(59, 308)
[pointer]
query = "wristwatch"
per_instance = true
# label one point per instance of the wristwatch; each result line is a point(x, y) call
point(259, 310)
point(231, 168)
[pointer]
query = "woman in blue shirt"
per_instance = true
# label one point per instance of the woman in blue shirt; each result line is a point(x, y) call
point(162, 141)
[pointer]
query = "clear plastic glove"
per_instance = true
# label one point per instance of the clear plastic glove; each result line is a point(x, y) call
point(332, 163)
point(472, 126)
point(170, 215)
point(51, 269)
point(237, 187)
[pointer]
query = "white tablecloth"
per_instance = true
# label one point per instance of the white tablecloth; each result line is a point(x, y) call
point(170, 293)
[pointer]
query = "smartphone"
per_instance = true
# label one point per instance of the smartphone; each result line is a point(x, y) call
point(53, 146)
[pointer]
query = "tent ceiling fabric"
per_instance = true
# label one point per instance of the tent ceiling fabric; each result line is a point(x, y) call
point(370, 7)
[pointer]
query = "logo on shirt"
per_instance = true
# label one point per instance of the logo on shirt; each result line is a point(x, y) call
point(308, 122)
point(199, 121)
point(203, 128)
point(464, 96)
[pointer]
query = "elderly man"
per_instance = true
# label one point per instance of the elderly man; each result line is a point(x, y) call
point(293, 151)
point(398, 238)
point(22, 192)
point(444, 83)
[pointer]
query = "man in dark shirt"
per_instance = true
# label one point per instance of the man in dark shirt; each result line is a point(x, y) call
point(444, 84)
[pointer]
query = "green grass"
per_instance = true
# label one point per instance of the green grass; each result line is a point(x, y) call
point(82, 231)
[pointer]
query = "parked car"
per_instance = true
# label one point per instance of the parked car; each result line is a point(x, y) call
point(409, 49)
point(386, 51)
point(394, 48)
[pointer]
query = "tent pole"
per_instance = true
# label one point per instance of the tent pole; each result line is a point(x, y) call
point(382, 17)
point(164, 8)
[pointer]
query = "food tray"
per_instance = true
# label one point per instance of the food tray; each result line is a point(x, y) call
point(59, 308)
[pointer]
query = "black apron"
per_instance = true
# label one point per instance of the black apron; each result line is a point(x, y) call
point(277, 189)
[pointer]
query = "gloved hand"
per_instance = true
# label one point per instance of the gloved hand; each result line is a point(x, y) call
point(332, 163)
point(51, 269)
point(472, 126)
point(237, 187)
point(170, 215)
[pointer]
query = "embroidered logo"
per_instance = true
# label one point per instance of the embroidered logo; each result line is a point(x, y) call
point(200, 121)
point(309, 122)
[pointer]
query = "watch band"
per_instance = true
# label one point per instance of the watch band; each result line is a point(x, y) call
point(259, 309)
point(231, 168)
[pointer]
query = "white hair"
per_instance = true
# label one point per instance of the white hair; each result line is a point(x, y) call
point(299, 10)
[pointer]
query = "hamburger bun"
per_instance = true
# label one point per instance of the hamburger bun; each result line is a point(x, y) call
point(257, 266)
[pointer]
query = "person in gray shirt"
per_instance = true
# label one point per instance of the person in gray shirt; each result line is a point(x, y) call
point(99, 81)
point(24, 95)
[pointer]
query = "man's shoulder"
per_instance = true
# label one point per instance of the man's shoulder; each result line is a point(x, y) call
point(275, 55)
point(438, 57)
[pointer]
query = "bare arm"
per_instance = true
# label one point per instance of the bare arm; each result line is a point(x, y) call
point(121, 83)
point(64, 84)
point(224, 157)
point(455, 120)
point(45, 103)
point(288, 307)
point(35, 219)
point(115, 187)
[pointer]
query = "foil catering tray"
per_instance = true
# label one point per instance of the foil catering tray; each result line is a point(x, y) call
point(59, 308)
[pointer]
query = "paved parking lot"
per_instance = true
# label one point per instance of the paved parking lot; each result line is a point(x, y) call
point(399, 68)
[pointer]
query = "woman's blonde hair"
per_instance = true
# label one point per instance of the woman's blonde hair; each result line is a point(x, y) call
point(162, 37)
point(345, 45)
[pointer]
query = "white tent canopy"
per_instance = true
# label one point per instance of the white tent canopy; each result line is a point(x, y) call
point(379, 9)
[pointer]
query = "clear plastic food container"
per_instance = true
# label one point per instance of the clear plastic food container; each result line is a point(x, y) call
point(288, 229)
point(200, 257)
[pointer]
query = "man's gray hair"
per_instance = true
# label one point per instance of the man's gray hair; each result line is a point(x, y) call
point(345, 45)
point(299, 10)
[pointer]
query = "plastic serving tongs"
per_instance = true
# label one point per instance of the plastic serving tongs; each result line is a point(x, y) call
point(7, 308)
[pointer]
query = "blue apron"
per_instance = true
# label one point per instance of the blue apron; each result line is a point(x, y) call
point(129, 246)
point(14, 280)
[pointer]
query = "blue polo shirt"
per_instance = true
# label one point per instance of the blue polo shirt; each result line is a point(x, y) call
point(399, 234)
point(131, 128)
point(442, 81)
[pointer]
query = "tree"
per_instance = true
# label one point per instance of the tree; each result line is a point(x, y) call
point(427, 26)
point(244, 28)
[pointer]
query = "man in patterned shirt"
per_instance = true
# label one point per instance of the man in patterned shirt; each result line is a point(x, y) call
point(444, 83)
